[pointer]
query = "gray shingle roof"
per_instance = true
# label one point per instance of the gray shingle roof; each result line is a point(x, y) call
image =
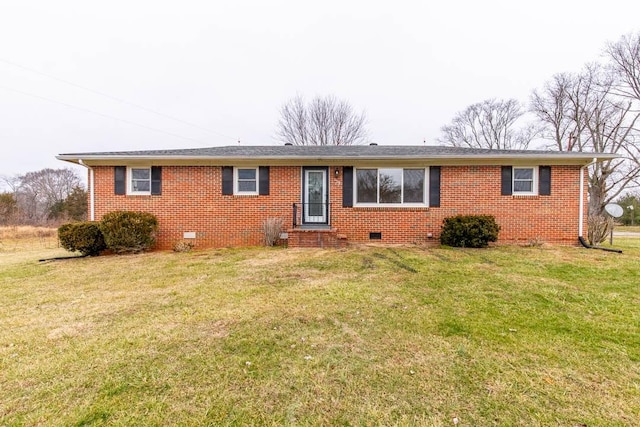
point(329, 152)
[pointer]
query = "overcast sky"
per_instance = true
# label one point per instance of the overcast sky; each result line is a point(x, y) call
point(82, 76)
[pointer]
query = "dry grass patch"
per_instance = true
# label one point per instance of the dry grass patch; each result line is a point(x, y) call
point(627, 228)
point(21, 243)
point(26, 232)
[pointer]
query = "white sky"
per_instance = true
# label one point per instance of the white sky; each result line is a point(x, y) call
point(228, 66)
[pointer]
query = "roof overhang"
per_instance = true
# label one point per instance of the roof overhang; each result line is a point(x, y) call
point(388, 155)
point(580, 159)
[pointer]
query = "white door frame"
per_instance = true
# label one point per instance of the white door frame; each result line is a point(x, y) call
point(309, 212)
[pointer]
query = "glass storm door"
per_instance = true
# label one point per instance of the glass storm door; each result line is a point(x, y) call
point(315, 196)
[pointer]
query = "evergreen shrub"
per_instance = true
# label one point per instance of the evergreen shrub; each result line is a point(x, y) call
point(469, 231)
point(129, 231)
point(84, 237)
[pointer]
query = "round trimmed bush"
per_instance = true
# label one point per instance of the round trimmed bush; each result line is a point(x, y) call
point(84, 237)
point(128, 231)
point(469, 231)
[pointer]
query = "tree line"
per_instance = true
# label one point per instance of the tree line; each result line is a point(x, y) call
point(44, 197)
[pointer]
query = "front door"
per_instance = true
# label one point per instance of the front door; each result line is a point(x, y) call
point(315, 196)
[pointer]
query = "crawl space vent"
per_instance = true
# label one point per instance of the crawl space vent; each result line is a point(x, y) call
point(375, 236)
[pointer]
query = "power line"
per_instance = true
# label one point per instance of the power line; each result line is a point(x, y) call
point(99, 114)
point(114, 98)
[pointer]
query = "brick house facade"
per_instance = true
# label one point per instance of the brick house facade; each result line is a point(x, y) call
point(328, 196)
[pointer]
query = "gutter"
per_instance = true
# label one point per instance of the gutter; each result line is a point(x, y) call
point(92, 204)
point(231, 158)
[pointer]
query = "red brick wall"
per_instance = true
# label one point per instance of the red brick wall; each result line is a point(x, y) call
point(473, 190)
point(192, 201)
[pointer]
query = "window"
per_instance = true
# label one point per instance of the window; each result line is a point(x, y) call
point(139, 180)
point(390, 186)
point(524, 180)
point(413, 186)
point(367, 185)
point(246, 181)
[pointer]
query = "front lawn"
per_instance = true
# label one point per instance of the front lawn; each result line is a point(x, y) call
point(363, 336)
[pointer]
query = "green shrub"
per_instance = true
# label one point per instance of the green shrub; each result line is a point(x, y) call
point(129, 232)
point(469, 231)
point(84, 237)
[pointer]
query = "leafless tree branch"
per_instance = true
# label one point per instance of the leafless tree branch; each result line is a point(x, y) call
point(625, 61)
point(489, 124)
point(585, 112)
point(37, 192)
point(323, 121)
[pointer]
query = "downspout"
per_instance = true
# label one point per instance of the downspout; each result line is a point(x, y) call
point(581, 216)
point(92, 205)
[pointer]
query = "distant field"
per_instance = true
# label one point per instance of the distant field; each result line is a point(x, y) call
point(362, 336)
point(21, 232)
point(628, 228)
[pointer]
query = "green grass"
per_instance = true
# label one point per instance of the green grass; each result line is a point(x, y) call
point(363, 336)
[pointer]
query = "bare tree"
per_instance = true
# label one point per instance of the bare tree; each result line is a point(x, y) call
point(489, 124)
point(582, 112)
point(36, 193)
point(323, 121)
point(552, 107)
point(625, 61)
point(11, 182)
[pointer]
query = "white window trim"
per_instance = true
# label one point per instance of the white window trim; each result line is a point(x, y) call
point(534, 184)
point(130, 191)
point(391, 205)
point(236, 191)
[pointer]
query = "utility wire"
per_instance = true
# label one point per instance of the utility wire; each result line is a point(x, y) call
point(114, 98)
point(98, 113)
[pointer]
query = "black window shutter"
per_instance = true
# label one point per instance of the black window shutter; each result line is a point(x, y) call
point(347, 187)
point(263, 186)
point(507, 181)
point(544, 176)
point(120, 175)
point(434, 186)
point(156, 180)
point(227, 180)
